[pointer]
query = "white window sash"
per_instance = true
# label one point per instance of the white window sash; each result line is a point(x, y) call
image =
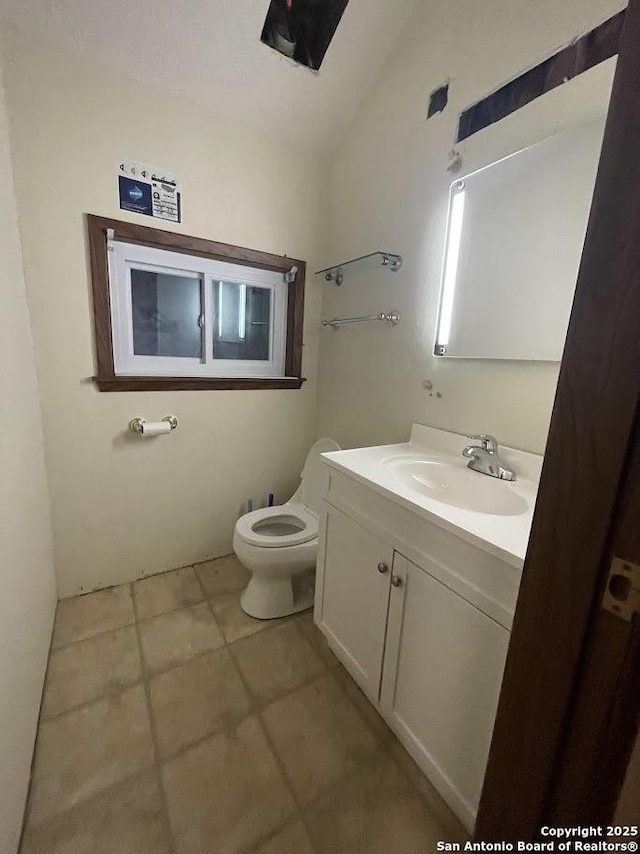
point(124, 256)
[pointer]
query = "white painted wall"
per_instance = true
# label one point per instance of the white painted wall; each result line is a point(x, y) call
point(122, 506)
point(27, 579)
point(388, 191)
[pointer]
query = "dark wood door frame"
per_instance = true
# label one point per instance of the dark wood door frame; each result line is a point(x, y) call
point(606, 706)
point(587, 450)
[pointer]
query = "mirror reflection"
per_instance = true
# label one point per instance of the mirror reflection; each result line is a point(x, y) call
point(514, 238)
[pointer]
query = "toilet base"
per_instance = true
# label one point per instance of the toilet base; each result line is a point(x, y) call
point(270, 598)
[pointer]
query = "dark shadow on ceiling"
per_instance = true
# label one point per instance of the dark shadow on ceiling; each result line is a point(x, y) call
point(302, 29)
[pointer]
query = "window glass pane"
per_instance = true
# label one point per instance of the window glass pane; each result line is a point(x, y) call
point(166, 311)
point(241, 321)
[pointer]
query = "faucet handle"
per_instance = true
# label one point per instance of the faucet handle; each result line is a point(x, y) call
point(489, 443)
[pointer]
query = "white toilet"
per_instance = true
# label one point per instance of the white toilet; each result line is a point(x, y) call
point(279, 545)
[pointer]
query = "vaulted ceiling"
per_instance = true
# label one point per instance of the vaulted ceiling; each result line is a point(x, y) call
point(210, 51)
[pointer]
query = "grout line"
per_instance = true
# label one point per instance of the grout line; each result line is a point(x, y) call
point(152, 674)
point(145, 678)
point(206, 560)
point(56, 649)
point(136, 618)
point(256, 705)
point(263, 840)
point(445, 818)
point(279, 763)
point(108, 695)
point(83, 802)
point(182, 607)
point(256, 709)
point(442, 814)
point(259, 707)
point(192, 565)
point(154, 736)
point(200, 584)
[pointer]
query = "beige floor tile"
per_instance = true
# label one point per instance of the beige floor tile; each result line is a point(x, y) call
point(374, 811)
point(371, 715)
point(318, 735)
point(90, 669)
point(197, 699)
point(452, 829)
point(126, 819)
point(293, 839)
point(178, 636)
point(276, 661)
point(223, 575)
point(86, 751)
point(232, 619)
point(317, 639)
point(226, 793)
point(167, 592)
point(85, 616)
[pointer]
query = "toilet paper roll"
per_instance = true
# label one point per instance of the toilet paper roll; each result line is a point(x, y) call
point(155, 428)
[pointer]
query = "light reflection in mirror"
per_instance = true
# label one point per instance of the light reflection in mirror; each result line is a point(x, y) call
point(452, 255)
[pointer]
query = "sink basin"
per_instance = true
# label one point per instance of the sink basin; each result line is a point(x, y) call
point(456, 485)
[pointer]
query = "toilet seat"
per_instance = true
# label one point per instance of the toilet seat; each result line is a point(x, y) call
point(280, 544)
point(260, 527)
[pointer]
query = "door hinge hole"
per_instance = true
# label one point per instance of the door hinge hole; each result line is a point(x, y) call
point(622, 593)
point(620, 587)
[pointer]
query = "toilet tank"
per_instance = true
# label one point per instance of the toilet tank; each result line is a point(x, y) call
point(313, 476)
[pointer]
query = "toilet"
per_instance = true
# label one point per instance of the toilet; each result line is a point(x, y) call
point(279, 545)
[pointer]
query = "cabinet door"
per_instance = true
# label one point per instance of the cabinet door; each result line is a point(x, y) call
point(442, 674)
point(355, 597)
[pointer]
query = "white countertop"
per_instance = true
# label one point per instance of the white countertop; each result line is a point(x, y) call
point(505, 536)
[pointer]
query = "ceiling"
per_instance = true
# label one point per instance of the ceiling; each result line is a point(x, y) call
point(210, 52)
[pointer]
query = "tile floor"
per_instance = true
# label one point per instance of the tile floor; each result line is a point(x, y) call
point(173, 723)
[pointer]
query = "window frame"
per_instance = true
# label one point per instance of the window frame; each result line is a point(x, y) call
point(124, 257)
point(108, 378)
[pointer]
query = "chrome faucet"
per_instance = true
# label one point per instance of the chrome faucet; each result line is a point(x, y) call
point(484, 458)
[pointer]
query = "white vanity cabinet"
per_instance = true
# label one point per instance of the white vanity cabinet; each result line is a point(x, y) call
point(421, 620)
point(357, 569)
point(441, 679)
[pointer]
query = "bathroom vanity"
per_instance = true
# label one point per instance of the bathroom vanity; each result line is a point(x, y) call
point(419, 566)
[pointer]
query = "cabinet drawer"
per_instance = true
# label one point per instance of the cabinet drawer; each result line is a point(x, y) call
point(489, 583)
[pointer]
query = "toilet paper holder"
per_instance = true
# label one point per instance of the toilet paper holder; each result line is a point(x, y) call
point(136, 423)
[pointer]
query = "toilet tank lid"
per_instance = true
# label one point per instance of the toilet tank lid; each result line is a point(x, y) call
point(314, 474)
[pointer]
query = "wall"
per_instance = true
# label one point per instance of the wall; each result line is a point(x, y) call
point(26, 557)
point(388, 191)
point(121, 506)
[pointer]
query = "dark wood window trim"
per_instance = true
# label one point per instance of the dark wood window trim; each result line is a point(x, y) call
point(592, 48)
point(106, 378)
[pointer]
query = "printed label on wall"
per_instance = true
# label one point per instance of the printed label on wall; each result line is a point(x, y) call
point(149, 191)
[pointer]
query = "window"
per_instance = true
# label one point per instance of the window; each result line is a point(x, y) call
point(179, 312)
point(182, 315)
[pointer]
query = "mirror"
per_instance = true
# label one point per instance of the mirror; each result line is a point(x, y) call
point(513, 244)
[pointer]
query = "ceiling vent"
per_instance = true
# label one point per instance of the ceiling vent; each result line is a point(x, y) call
point(302, 29)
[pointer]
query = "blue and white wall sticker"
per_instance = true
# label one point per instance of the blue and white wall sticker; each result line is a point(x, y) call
point(150, 191)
